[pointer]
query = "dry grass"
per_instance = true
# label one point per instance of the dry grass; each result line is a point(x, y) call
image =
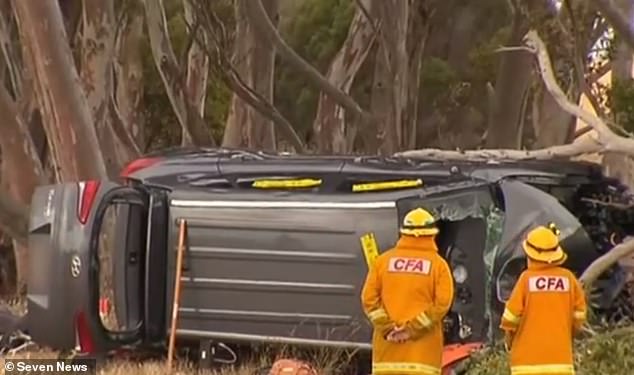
point(328, 361)
point(154, 367)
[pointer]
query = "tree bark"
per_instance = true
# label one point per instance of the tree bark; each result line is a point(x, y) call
point(193, 126)
point(391, 86)
point(68, 122)
point(330, 121)
point(197, 67)
point(255, 63)
point(511, 87)
point(22, 172)
point(264, 26)
point(128, 73)
point(617, 165)
point(550, 123)
point(97, 50)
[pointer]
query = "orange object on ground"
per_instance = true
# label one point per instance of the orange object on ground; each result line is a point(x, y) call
point(408, 286)
point(292, 367)
point(455, 353)
point(546, 307)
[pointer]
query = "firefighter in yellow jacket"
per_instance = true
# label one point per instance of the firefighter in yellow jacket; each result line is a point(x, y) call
point(407, 292)
point(547, 306)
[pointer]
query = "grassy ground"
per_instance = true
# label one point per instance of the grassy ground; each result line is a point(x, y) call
point(599, 352)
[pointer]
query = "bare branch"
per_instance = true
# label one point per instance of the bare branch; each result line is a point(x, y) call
point(513, 49)
point(606, 140)
point(262, 23)
point(493, 155)
point(173, 78)
point(215, 46)
point(604, 262)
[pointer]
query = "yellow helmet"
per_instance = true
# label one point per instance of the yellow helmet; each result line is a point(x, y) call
point(419, 222)
point(542, 244)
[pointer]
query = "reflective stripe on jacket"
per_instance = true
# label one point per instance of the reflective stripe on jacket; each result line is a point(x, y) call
point(410, 285)
point(546, 307)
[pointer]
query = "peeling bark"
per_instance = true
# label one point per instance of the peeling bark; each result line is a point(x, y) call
point(193, 127)
point(330, 126)
point(68, 121)
point(128, 74)
point(238, 112)
point(255, 62)
point(197, 68)
point(97, 49)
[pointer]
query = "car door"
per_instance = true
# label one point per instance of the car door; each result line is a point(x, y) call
point(64, 266)
point(464, 211)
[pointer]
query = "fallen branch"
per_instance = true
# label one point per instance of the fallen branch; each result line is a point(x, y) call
point(606, 140)
point(604, 262)
point(584, 146)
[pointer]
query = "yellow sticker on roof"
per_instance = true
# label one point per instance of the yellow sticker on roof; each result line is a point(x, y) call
point(387, 185)
point(286, 184)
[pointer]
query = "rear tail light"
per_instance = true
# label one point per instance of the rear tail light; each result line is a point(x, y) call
point(137, 165)
point(82, 331)
point(87, 194)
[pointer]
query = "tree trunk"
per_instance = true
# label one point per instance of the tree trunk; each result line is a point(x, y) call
point(22, 172)
point(618, 165)
point(391, 87)
point(97, 49)
point(193, 126)
point(197, 67)
point(417, 33)
point(550, 123)
point(68, 122)
point(330, 125)
point(255, 62)
point(511, 86)
point(128, 71)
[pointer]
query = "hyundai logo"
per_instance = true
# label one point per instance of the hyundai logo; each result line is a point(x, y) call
point(75, 266)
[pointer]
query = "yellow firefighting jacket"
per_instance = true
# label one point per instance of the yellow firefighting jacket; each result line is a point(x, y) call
point(409, 285)
point(547, 306)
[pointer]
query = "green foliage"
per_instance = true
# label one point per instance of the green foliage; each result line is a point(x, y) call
point(606, 352)
point(162, 127)
point(621, 102)
point(316, 30)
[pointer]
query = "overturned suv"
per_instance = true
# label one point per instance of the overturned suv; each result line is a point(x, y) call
point(276, 245)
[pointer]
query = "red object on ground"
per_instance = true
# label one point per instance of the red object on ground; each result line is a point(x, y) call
point(452, 354)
